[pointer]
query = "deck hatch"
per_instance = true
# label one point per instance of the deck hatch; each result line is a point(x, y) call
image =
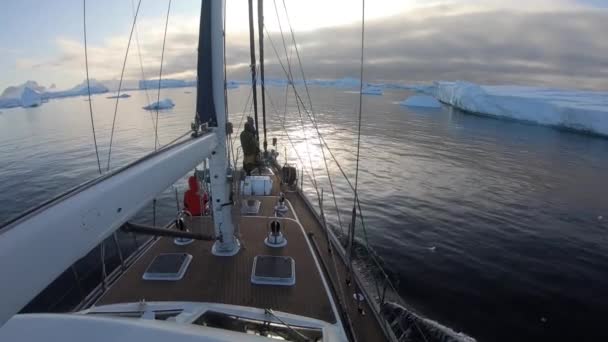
point(273, 270)
point(168, 266)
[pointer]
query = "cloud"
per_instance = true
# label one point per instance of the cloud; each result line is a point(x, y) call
point(559, 47)
point(539, 45)
point(106, 59)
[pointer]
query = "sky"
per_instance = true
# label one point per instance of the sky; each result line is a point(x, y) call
point(558, 43)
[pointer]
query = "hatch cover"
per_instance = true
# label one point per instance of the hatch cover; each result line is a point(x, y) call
point(273, 270)
point(168, 266)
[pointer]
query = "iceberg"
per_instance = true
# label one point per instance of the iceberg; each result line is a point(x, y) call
point(16, 91)
point(30, 98)
point(28, 94)
point(79, 90)
point(423, 101)
point(372, 90)
point(162, 104)
point(585, 111)
point(232, 85)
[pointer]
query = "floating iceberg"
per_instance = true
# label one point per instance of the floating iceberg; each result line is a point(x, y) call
point(29, 94)
point(572, 109)
point(162, 104)
point(30, 98)
point(424, 101)
point(79, 90)
point(16, 91)
point(372, 90)
point(122, 96)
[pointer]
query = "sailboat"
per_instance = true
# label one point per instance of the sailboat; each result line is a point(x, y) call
point(262, 265)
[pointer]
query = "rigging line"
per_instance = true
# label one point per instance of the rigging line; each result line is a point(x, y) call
point(122, 73)
point(287, 57)
point(290, 81)
point(354, 188)
point(289, 138)
point(295, 46)
point(160, 75)
point(262, 81)
point(298, 98)
point(360, 101)
point(252, 66)
point(312, 169)
point(86, 63)
point(287, 85)
point(141, 66)
point(356, 203)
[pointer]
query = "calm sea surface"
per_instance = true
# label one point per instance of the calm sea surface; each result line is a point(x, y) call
point(495, 228)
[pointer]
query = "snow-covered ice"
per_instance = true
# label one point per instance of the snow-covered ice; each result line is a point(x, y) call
point(424, 101)
point(162, 104)
point(573, 109)
point(372, 90)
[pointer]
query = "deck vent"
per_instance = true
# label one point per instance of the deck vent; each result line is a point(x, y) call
point(251, 207)
point(273, 270)
point(168, 266)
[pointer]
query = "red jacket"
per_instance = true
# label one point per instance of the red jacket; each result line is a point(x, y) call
point(193, 199)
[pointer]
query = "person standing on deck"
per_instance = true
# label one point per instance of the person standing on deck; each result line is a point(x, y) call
point(250, 147)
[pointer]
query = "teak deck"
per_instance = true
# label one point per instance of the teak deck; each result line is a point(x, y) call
point(228, 279)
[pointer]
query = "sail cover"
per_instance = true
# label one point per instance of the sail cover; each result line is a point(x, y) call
point(205, 108)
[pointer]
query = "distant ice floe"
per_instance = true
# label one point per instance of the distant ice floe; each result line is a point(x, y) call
point(585, 111)
point(422, 101)
point(121, 96)
point(232, 85)
point(165, 83)
point(372, 90)
point(162, 104)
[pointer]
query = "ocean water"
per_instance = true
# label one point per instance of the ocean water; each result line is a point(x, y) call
point(494, 228)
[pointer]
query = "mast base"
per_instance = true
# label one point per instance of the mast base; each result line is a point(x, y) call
point(219, 250)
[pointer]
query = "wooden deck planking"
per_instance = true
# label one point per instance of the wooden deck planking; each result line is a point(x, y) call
point(227, 279)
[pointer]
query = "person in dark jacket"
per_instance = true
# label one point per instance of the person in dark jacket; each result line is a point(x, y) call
point(250, 148)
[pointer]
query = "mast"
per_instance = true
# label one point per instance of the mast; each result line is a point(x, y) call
point(261, 41)
point(253, 78)
point(211, 107)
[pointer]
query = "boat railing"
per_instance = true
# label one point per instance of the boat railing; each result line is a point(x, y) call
point(85, 281)
point(371, 278)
